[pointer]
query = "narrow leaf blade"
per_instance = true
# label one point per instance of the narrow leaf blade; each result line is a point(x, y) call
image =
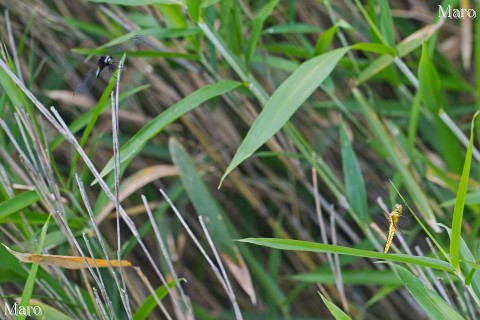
point(285, 101)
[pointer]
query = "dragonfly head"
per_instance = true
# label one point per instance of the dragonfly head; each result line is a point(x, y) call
point(399, 208)
point(396, 213)
point(104, 61)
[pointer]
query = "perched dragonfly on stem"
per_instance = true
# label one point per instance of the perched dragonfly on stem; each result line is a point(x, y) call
point(105, 61)
point(392, 219)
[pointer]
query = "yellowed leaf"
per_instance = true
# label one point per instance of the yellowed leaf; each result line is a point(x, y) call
point(425, 32)
point(136, 181)
point(67, 262)
point(240, 273)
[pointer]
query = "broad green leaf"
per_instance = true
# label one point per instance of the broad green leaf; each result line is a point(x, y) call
point(136, 143)
point(460, 201)
point(285, 101)
point(297, 245)
point(429, 82)
point(430, 301)
point(354, 183)
point(193, 9)
point(17, 203)
point(335, 311)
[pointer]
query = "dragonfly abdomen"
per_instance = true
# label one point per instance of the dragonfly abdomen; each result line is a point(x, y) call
point(391, 233)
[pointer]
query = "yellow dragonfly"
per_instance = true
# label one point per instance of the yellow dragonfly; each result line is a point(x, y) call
point(392, 220)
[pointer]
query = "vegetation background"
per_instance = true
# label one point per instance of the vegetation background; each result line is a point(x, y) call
point(315, 117)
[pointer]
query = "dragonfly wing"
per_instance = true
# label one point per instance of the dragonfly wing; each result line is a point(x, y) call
point(87, 81)
point(388, 218)
point(398, 231)
point(125, 45)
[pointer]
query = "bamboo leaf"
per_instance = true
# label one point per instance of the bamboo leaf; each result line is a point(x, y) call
point(354, 183)
point(285, 101)
point(430, 301)
point(460, 201)
point(334, 310)
point(429, 82)
point(297, 245)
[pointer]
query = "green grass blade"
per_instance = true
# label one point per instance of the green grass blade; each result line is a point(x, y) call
point(202, 199)
point(354, 183)
point(149, 304)
point(136, 143)
point(432, 303)
point(88, 27)
point(429, 82)
point(336, 311)
point(468, 265)
point(297, 245)
point(28, 290)
point(9, 87)
point(403, 48)
point(325, 40)
point(285, 101)
point(460, 201)
point(18, 203)
point(386, 23)
point(218, 223)
point(257, 26)
point(374, 47)
point(291, 28)
point(48, 312)
point(350, 277)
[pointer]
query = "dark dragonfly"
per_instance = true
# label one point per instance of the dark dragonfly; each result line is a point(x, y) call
point(105, 61)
